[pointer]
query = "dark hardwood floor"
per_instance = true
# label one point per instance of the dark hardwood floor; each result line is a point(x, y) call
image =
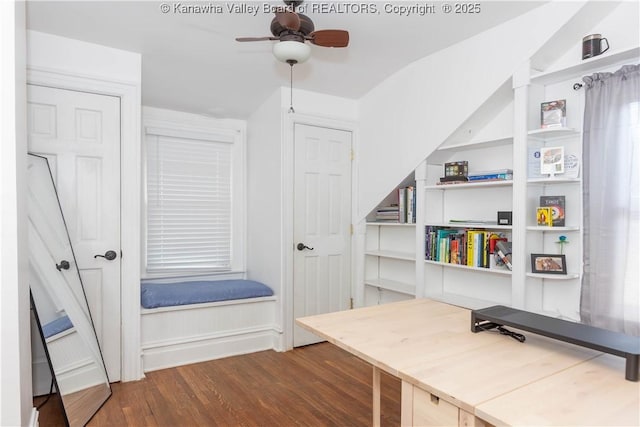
point(317, 385)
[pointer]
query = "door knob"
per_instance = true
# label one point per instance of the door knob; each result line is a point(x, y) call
point(64, 265)
point(302, 246)
point(109, 255)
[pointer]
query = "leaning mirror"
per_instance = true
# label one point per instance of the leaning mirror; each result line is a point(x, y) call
point(59, 302)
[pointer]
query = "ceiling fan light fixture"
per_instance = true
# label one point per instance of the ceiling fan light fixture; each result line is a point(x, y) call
point(291, 51)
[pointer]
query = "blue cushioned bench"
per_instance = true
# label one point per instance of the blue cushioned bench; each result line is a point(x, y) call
point(54, 327)
point(154, 295)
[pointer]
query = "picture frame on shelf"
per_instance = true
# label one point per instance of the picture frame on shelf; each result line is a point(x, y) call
point(553, 114)
point(548, 264)
point(551, 160)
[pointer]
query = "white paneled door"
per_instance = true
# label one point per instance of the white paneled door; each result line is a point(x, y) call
point(322, 224)
point(79, 133)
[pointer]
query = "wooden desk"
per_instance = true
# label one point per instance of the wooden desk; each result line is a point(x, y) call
point(451, 376)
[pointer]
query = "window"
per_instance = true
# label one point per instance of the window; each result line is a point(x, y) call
point(194, 201)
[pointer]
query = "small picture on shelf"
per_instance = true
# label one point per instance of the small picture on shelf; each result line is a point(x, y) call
point(548, 264)
point(553, 114)
point(552, 160)
point(460, 168)
point(556, 204)
point(544, 216)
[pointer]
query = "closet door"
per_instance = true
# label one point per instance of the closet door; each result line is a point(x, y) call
point(322, 218)
point(79, 133)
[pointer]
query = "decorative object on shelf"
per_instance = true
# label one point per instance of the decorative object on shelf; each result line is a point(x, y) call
point(562, 240)
point(544, 216)
point(556, 203)
point(592, 45)
point(571, 166)
point(503, 251)
point(548, 264)
point(553, 114)
point(459, 168)
point(504, 217)
point(551, 160)
point(533, 163)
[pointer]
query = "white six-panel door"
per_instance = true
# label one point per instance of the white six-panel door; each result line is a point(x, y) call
point(79, 133)
point(322, 220)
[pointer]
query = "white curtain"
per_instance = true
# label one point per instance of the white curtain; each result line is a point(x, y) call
point(610, 295)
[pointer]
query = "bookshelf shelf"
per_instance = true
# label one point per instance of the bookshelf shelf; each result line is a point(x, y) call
point(392, 285)
point(580, 68)
point(550, 133)
point(544, 229)
point(482, 225)
point(559, 277)
point(468, 185)
point(466, 267)
point(405, 256)
point(390, 224)
point(551, 181)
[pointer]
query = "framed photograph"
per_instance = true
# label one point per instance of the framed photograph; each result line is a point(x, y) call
point(553, 114)
point(548, 264)
point(551, 160)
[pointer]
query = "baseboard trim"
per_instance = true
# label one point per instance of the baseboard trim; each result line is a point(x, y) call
point(207, 348)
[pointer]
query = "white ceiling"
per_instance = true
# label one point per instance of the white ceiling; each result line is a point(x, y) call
point(191, 62)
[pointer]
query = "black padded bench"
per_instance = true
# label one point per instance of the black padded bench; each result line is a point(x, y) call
point(575, 333)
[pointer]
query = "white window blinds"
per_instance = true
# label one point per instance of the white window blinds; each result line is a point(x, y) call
point(188, 203)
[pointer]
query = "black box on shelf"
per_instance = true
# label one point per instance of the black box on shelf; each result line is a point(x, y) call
point(504, 218)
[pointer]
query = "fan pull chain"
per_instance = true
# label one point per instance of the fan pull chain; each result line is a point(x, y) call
point(291, 63)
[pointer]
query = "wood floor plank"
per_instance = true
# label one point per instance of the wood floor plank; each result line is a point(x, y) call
point(317, 385)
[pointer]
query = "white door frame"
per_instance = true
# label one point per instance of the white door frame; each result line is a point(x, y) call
point(289, 120)
point(130, 197)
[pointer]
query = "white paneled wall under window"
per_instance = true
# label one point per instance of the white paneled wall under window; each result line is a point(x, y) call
point(194, 198)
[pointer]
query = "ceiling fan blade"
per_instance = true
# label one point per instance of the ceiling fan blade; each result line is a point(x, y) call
point(330, 38)
point(254, 39)
point(289, 20)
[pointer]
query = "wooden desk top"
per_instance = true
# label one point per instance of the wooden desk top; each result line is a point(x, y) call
point(429, 344)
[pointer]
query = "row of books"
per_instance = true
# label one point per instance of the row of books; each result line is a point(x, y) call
point(473, 248)
point(404, 212)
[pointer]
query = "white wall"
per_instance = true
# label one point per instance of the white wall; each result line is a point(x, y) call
point(15, 345)
point(415, 110)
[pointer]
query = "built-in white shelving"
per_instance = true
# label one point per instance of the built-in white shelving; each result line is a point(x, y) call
point(476, 287)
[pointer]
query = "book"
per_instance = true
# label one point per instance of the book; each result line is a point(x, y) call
point(453, 178)
point(402, 205)
point(557, 208)
point(544, 216)
point(411, 204)
point(553, 114)
point(491, 177)
point(459, 168)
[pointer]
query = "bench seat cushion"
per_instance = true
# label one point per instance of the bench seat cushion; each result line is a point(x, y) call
point(155, 295)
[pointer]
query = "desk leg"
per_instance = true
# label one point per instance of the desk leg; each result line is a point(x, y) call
point(376, 397)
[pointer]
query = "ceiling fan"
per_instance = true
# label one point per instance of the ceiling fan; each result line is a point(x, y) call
point(292, 29)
